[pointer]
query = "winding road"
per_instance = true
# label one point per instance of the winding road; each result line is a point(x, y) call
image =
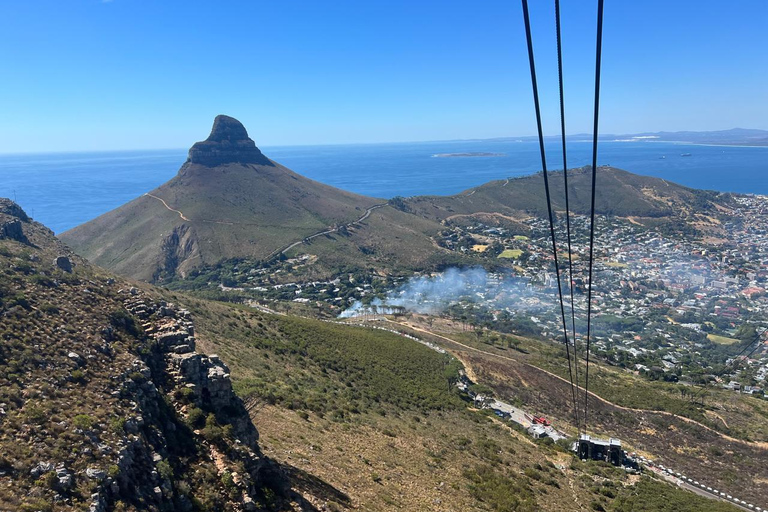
point(581, 389)
point(331, 230)
point(285, 249)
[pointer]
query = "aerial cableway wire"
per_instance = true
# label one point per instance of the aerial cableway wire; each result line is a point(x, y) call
point(567, 205)
point(598, 55)
point(549, 201)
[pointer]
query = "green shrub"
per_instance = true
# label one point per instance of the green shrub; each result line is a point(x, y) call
point(195, 417)
point(137, 377)
point(185, 395)
point(227, 480)
point(117, 425)
point(165, 470)
point(49, 309)
point(36, 414)
point(43, 280)
point(37, 505)
point(83, 421)
point(49, 480)
point(120, 319)
point(213, 433)
point(78, 376)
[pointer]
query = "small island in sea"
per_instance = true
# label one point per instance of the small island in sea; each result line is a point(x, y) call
point(457, 155)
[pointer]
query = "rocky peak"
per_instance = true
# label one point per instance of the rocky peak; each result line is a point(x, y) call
point(228, 143)
point(8, 207)
point(11, 218)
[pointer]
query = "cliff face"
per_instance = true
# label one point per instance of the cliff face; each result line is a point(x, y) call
point(228, 143)
point(104, 403)
point(183, 397)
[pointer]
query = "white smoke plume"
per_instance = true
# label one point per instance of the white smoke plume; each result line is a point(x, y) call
point(433, 294)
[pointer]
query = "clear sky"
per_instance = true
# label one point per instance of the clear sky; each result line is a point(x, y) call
point(136, 74)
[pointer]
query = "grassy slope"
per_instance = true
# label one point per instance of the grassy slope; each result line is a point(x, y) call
point(618, 193)
point(127, 240)
point(388, 240)
point(700, 453)
point(233, 211)
point(238, 211)
point(323, 367)
point(371, 413)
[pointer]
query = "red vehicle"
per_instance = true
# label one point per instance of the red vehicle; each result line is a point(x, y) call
point(541, 420)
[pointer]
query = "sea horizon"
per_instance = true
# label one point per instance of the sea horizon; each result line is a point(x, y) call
point(65, 189)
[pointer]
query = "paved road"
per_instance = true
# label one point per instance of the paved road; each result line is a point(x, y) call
point(694, 488)
point(672, 479)
point(581, 389)
point(332, 230)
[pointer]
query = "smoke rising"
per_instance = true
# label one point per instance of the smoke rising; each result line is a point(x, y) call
point(433, 294)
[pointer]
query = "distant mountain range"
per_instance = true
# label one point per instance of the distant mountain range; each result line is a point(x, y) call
point(732, 137)
point(229, 201)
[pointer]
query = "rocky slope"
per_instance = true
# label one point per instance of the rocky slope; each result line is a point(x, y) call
point(104, 403)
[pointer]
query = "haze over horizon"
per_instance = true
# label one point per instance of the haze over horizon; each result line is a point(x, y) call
point(121, 75)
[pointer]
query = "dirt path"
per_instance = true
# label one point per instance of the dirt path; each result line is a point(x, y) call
point(720, 418)
point(581, 389)
point(227, 223)
point(168, 207)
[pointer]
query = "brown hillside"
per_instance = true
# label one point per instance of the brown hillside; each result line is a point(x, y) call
point(227, 201)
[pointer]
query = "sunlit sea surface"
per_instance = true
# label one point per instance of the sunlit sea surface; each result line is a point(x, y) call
point(64, 190)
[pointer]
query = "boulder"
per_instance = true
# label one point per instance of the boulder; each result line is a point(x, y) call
point(96, 474)
point(41, 468)
point(66, 478)
point(76, 358)
point(64, 263)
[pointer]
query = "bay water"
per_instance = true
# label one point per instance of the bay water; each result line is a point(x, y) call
point(63, 190)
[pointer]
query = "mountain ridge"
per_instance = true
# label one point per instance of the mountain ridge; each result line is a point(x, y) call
point(228, 203)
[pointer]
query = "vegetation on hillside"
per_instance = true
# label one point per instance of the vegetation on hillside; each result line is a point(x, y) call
point(85, 420)
point(329, 369)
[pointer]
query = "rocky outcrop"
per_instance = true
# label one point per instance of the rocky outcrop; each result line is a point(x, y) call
point(11, 219)
point(178, 247)
point(8, 207)
point(170, 386)
point(205, 380)
point(228, 143)
point(12, 229)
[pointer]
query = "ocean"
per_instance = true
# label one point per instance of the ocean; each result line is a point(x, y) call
point(63, 190)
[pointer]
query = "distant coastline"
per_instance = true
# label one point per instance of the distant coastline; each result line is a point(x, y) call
point(465, 155)
point(86, 185)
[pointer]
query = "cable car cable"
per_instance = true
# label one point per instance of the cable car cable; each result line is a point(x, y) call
point(549, 201)
point(598, 55)
point(567, 205)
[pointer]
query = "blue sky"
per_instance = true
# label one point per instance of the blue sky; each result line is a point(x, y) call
point(134, 74)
